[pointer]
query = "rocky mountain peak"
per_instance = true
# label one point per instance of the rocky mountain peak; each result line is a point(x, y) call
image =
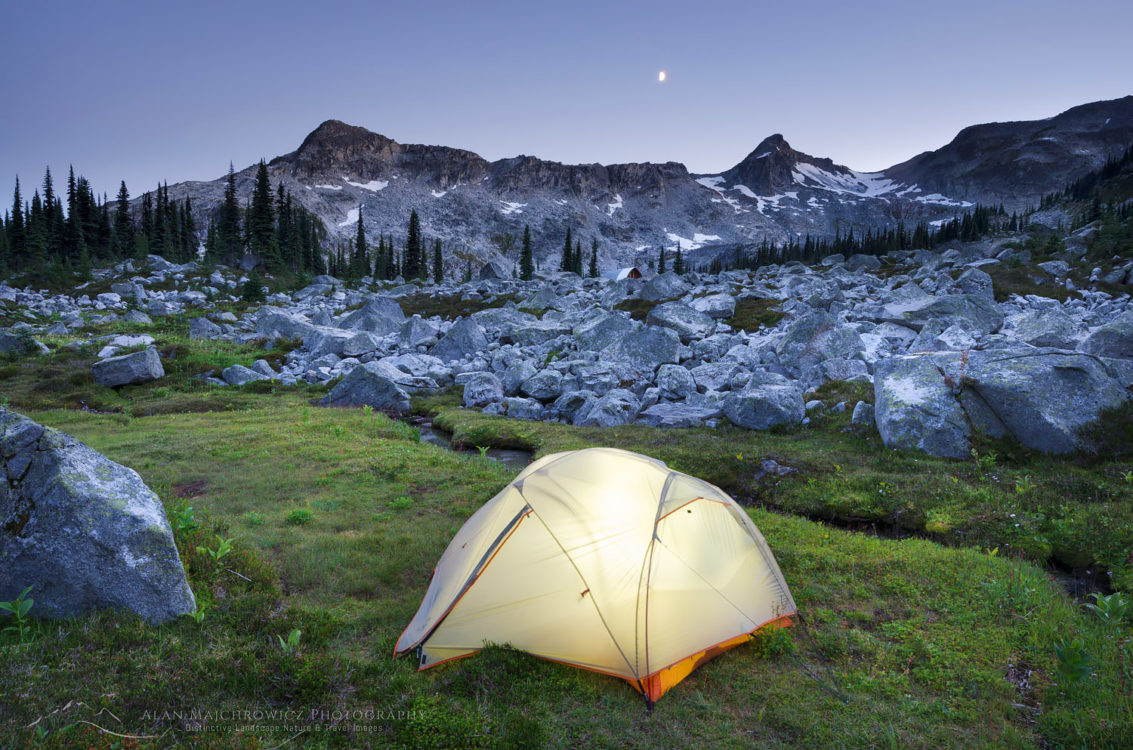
point(772, 167)
point(336, 134)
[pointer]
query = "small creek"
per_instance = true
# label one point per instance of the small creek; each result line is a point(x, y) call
point(513, 457)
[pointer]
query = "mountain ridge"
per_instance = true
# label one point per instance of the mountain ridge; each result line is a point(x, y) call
point(633, 209)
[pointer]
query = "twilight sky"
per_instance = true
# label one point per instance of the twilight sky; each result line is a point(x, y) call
point(145, 91)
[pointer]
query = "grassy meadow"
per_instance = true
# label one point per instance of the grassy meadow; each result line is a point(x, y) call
point(309, 536)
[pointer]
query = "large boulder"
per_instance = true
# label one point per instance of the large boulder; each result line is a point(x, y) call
point(718, 306)
point(687, 322)
point(367, 385)
point(974, 312)
point(544, 386)
point(481, 389)
point(615, 407)
point(239, 375)
point(16, 342)
point(128, 369)
point(767, 400)
point(465, 339)
point(1041, 398)
point(417, 332)
point(675, 382)
point(379, 315)
point(916, 410)
point(81, 530)
point(814, 337)
point(645, 349)
point(203, 328)
point(603, 329)
point(273, 322)
point(1048, 328)
point(663, 287)
point(667, 414)
point(1114, 339)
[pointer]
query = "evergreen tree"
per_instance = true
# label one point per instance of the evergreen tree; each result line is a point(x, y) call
point(526, 256)
point(593, 270)
point(228, 222)
point(360, 261)
point(411, 266)
point(261, 220)
point(123, 225)
point(189, 240)
point(661, 261)
point(678, 262)
point(567, 262)
point(438, 263)
point(17, 231)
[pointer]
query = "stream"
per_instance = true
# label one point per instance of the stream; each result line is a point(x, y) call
point(512, 457)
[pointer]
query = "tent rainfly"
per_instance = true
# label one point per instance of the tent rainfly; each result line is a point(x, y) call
point(606, 560)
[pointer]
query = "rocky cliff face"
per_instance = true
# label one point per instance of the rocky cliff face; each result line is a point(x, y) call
point(479, 208)
point(1017, 162)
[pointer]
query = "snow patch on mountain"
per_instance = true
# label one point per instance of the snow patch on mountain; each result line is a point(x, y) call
point(373, 185)
point(329, 187)
point(511, 208)
point(611, 207)
point(351, 217)
point(698, 240)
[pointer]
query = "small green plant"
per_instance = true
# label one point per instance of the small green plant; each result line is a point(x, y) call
point(401, 503)
point(199, 613)
point(1128, 477)
point(1113, 609)
point(254, 518)
point(291, 643)
point(985, 462)
point(19, 608)
point(183, 519)
point(483, 450)
point(1073, 662)
point(298, 517)
point(367, 409)
point(224, 546)
point(1024, 485)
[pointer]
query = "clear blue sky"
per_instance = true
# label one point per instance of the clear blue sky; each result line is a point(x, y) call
point(147, 91)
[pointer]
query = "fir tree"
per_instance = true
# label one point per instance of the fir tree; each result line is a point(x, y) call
point(411, 265)
point(678, 262)
point(228, 222)
point(576, 258)
point(360, 263)
point(261, 220)
point(567, 262)
point(526, 256)
point(438, 263)
point(123, 225)
point(593, 270)
point(17, 231)
point(661, 261)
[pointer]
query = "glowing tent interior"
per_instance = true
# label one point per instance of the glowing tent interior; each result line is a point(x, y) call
point(606, 560)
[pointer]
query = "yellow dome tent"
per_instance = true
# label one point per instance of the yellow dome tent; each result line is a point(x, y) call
point(606, 560)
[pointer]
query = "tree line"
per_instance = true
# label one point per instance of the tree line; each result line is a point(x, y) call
point(972, 225)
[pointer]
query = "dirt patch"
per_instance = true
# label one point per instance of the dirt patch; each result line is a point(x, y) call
point(188, 490)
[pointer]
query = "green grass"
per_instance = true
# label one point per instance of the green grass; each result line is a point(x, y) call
point(752, 314)
point(451, 306)
point(928, 646)
point(338, 516)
